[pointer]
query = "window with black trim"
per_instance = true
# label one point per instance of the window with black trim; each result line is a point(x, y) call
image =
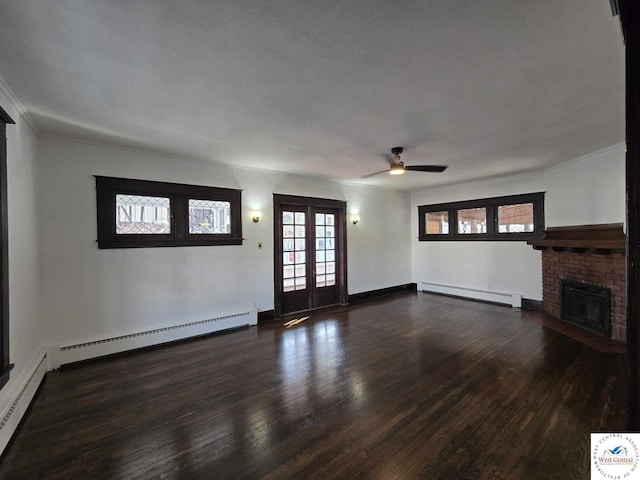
point(142, 213)
point(514, 217)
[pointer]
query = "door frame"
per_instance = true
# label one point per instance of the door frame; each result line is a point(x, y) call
point(341, 238)
point(629, 11)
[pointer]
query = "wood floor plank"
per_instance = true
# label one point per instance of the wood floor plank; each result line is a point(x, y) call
point(407, 386)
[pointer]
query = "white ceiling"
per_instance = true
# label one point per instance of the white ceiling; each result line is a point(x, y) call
point(325, 87)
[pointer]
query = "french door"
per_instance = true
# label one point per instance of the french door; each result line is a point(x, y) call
point(310, 253)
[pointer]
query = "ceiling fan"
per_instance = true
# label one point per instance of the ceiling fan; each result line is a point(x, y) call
point(397, 166)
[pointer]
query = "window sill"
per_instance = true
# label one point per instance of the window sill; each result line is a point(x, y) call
point(169, 243)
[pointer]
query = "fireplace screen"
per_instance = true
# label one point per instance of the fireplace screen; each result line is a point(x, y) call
point(587, 306)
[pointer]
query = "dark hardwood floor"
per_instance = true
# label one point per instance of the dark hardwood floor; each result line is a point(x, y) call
point(408, 386)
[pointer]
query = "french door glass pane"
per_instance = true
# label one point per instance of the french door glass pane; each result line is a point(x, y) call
point(294, 269)
point(288, 285)
point(325, 249)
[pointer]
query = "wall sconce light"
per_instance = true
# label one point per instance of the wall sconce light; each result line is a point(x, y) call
point(355, 218)
point(256, 216)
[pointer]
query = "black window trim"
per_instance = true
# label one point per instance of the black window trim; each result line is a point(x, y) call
point(179, 195)
point(491, 204)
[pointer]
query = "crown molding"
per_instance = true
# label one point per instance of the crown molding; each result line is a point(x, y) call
point(17, 104)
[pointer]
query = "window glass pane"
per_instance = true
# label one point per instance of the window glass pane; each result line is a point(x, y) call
point(331, 280)
point(320, 280)
point(287, 231)
point(320, 268)
point(330, 219)
point(320, 256)
point(436, 223)
point(299, 232)
point(330, 255)
point(330, 244)
point(472, 220)
point(319, 218)
point(300, 244)
point(320, 243)
point(138, 214)
point(300, 257)
point(515, 218)
point(319, 231)
point(300, 220)
point(331, 267)
point(329, 232)
point(209, 217)
point(301, 270)
point(301, 283)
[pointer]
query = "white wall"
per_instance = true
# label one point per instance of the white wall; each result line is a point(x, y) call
point(90, 293)
point(587, 190)
point(25, 335)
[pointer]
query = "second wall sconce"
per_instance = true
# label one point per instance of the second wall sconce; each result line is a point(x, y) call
point(355, 218)
point(256, 216)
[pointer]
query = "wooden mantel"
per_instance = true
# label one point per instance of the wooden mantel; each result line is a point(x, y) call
point(604, 238)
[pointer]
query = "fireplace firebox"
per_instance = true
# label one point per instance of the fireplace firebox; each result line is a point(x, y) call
point(587, 306)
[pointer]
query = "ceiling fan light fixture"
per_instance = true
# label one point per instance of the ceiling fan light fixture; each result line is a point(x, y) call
point(397, 169)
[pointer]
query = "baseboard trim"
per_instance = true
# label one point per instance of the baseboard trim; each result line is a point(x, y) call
point(371, 294)
point(21, 399)
point(530, 305)
point(468, 299)
point(266, 316)
point(59, 355)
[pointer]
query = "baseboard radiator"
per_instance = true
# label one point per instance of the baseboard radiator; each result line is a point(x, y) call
point(19, 400)
point(64, 354)
point(513, 299)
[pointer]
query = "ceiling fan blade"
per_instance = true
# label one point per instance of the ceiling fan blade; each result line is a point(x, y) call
point(427, 168)
point(376, 173)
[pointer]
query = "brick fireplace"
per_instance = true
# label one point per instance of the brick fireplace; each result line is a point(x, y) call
point(592, 255)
